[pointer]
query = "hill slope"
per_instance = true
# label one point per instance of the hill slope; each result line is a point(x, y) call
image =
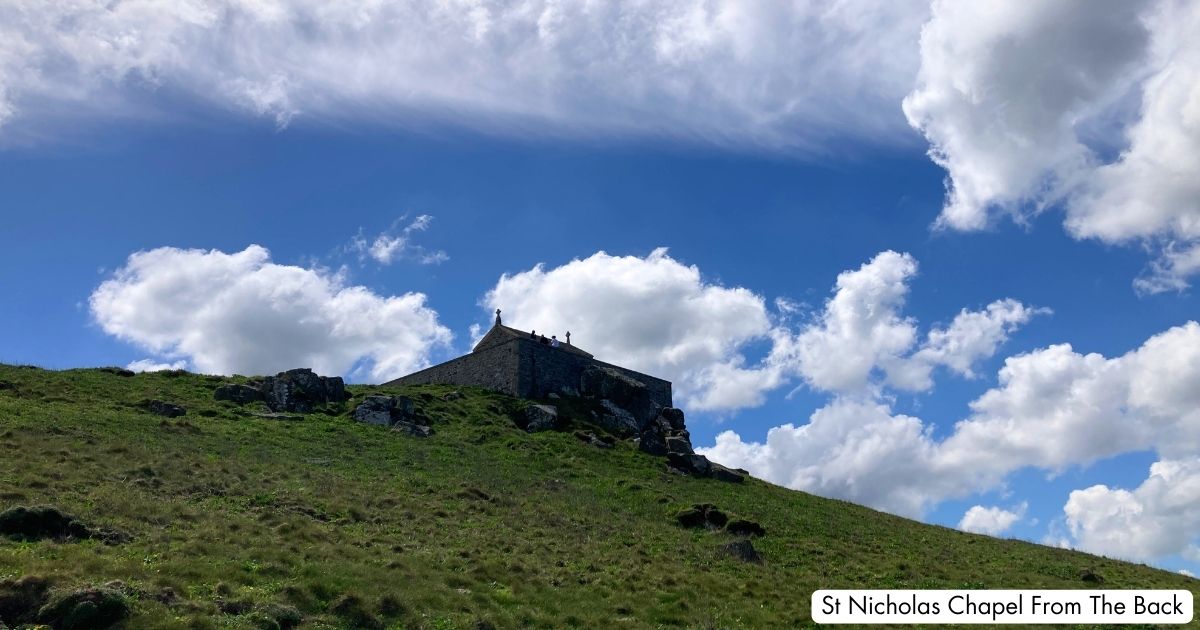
point(240, 521)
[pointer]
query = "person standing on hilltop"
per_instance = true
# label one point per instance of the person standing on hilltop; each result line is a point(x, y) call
point(553, 341)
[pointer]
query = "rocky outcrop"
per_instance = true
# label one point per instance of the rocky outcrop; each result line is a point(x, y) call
point(674, 418)
point(386, 410)
point(238, 393)
point(691, 464)
point(617, 421)
point(298, 391)
point(629, 411)
point(397, 412)
point(699, 466)
point(541, 418)
point(702, 515)
point(742, 550)
point(678, 444)
point(301, 390)
point(621, 390)
point(721, 473)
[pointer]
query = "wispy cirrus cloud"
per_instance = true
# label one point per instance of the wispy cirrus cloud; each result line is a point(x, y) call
point(396, 243)
point(729, 72)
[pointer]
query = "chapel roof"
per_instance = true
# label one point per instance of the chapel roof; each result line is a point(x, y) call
point(501, 333)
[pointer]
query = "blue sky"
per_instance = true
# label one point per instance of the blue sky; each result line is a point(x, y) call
point(904, 315)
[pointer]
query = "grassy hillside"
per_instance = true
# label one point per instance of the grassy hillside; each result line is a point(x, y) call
point(238, 521)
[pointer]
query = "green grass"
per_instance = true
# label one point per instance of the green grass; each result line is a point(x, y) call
point(339, 519)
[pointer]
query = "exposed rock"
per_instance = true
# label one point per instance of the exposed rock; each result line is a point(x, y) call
point(375, 410)
point(415, 430)
point(86, 608)
point(1089, 575)
point(624, 391)
point(665, 434)
point(743, 527)
point(679, 444)
point(388, 410)
point(697, 465)
point(238, 393)
point(618, 421)
point(455, 395)
point(721, 473)
point(301, 390)
point(161, 408)
point(674, 418)
point(406, 408)
point(653, 440)
point(702, 515)
point(742, 550)
point(691, 517)
point(541, 418)
point(716, 517)
point(21, 599)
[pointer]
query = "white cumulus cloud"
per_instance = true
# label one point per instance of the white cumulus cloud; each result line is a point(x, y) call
point(861, 328)
point(1089, 106)
point(856, 347)
point(242, 313)
point(1158, 518)
point(862, 340)
point(856, 450)
point(971, 336)
point(150, 365)
point(1053, 408)
point(992, 521)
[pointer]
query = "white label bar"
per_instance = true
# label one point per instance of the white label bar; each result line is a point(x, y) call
point(1002, 606)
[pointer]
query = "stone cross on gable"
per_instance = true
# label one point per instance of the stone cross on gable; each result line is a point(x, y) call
point(568, 337)
point(497, 317)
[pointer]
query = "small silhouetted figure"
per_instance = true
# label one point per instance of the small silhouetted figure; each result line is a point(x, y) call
point(497, 317)
point(533, 334)
point(568, 337)
point(553, 341)
point(542, 339)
